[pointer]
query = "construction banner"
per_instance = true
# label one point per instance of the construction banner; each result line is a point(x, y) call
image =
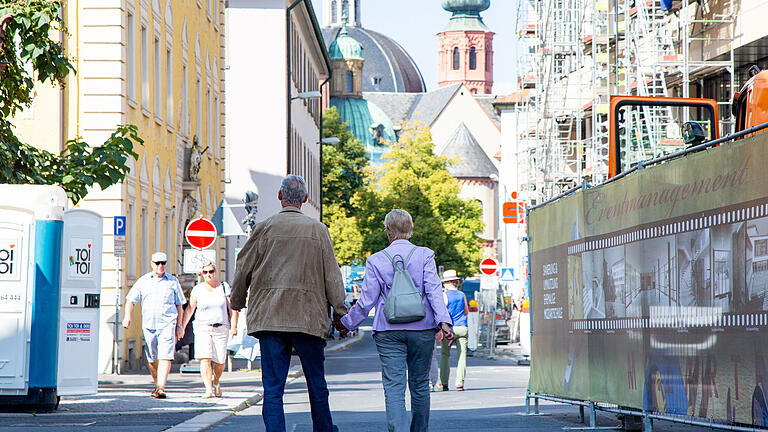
point(651, 291)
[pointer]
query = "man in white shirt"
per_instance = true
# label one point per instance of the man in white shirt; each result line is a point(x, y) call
point(161, 301)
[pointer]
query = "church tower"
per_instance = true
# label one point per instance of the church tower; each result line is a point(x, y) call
point(347, 65)
point(334, 12)
point(466, 47)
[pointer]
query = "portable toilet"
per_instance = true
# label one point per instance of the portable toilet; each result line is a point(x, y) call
point(80, 299)
point(31, 224)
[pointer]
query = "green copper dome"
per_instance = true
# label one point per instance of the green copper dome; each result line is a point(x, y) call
point(467, 6)
point(345, 46)
point(466, 14)
point(369, 124)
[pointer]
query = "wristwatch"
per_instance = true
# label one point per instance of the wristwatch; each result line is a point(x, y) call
point(179, 325)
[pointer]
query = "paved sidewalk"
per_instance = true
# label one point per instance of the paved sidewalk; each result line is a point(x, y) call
point(130, 394)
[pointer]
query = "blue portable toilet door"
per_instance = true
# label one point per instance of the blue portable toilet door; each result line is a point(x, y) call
point(17, 270)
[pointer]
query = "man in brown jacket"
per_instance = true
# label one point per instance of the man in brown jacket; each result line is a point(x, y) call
point(289, 273)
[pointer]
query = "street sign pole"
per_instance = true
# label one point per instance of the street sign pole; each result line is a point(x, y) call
point(119, 252)
point(118, 286)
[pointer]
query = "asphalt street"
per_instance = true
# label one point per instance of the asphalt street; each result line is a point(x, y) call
point(494, 400)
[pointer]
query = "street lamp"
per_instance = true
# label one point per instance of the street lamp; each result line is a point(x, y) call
point(308, 95)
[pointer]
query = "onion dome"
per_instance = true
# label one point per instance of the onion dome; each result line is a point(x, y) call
point(345, 46)
point(466, 14)
point(466, 6)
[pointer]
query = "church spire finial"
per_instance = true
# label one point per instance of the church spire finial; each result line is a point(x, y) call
point(337, 12)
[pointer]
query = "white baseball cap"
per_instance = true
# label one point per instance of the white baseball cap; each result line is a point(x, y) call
point(159, 256)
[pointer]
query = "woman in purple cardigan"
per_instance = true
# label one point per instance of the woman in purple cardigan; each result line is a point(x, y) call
point(406, 346)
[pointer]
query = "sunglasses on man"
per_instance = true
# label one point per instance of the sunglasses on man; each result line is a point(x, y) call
point(160, 262)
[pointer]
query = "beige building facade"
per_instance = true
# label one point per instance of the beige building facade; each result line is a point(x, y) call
point(156, 64)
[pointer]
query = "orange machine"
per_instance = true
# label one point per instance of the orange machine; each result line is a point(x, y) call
point(750, 107)
point(620, 102)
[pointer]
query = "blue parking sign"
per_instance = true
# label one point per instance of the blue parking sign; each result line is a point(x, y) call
point(119, 225)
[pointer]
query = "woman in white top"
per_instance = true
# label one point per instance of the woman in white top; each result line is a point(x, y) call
point(211, 326)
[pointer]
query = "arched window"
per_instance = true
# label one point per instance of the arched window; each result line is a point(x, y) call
point(350, 82)
point(472, 58)
point(455, 58)
point(334, 12)
point(357, 11)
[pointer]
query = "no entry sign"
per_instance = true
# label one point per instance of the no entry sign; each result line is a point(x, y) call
point(200, 233)
point(489, 266)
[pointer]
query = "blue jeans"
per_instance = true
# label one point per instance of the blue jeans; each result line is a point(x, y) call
point(400, 350)
point(275, 360)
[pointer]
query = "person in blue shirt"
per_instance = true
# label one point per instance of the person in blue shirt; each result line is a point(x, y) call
point(456, 302)
point(161, 299)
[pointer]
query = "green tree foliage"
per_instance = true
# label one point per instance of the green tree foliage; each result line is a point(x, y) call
point(343, 163)
point(28, 42)
point(346, 236)
point(413, 178)
point(344, 166)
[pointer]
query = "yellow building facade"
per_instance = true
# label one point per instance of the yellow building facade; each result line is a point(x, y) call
point(157, 64)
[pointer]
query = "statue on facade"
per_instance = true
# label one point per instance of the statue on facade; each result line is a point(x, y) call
point(195, 160)
point(251, 201)
point(190, 206)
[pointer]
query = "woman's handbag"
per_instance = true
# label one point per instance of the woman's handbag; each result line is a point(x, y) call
point(404, 303)
point(229, 307)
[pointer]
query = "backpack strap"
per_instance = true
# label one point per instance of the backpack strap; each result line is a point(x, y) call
point(410, 254)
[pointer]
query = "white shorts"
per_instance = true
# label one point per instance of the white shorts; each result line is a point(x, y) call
point(160, 343)
point(211, 342)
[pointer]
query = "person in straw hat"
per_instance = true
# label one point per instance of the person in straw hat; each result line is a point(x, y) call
point(456, 302)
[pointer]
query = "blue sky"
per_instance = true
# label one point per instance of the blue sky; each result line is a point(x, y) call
point(414, 24)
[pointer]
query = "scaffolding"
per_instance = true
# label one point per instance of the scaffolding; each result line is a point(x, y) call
point(587, 50)
point(551, 141)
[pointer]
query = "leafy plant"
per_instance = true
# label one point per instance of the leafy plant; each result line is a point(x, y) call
point(32, 55)
point(414, 179)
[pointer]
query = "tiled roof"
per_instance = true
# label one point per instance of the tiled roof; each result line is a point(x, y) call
point(521, 96)
point(472, 160)
point(486, 101)
point(395, 105)
point(423, 107)
point(429, 105)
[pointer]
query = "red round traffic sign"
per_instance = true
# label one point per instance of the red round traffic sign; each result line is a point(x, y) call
point(489, 266)
point(200, 233)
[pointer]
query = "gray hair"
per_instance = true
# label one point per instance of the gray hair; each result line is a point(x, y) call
point(293, 189)
point(399, 224)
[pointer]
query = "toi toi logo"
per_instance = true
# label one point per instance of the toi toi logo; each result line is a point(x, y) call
point(6, 259)
point(80, 261)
